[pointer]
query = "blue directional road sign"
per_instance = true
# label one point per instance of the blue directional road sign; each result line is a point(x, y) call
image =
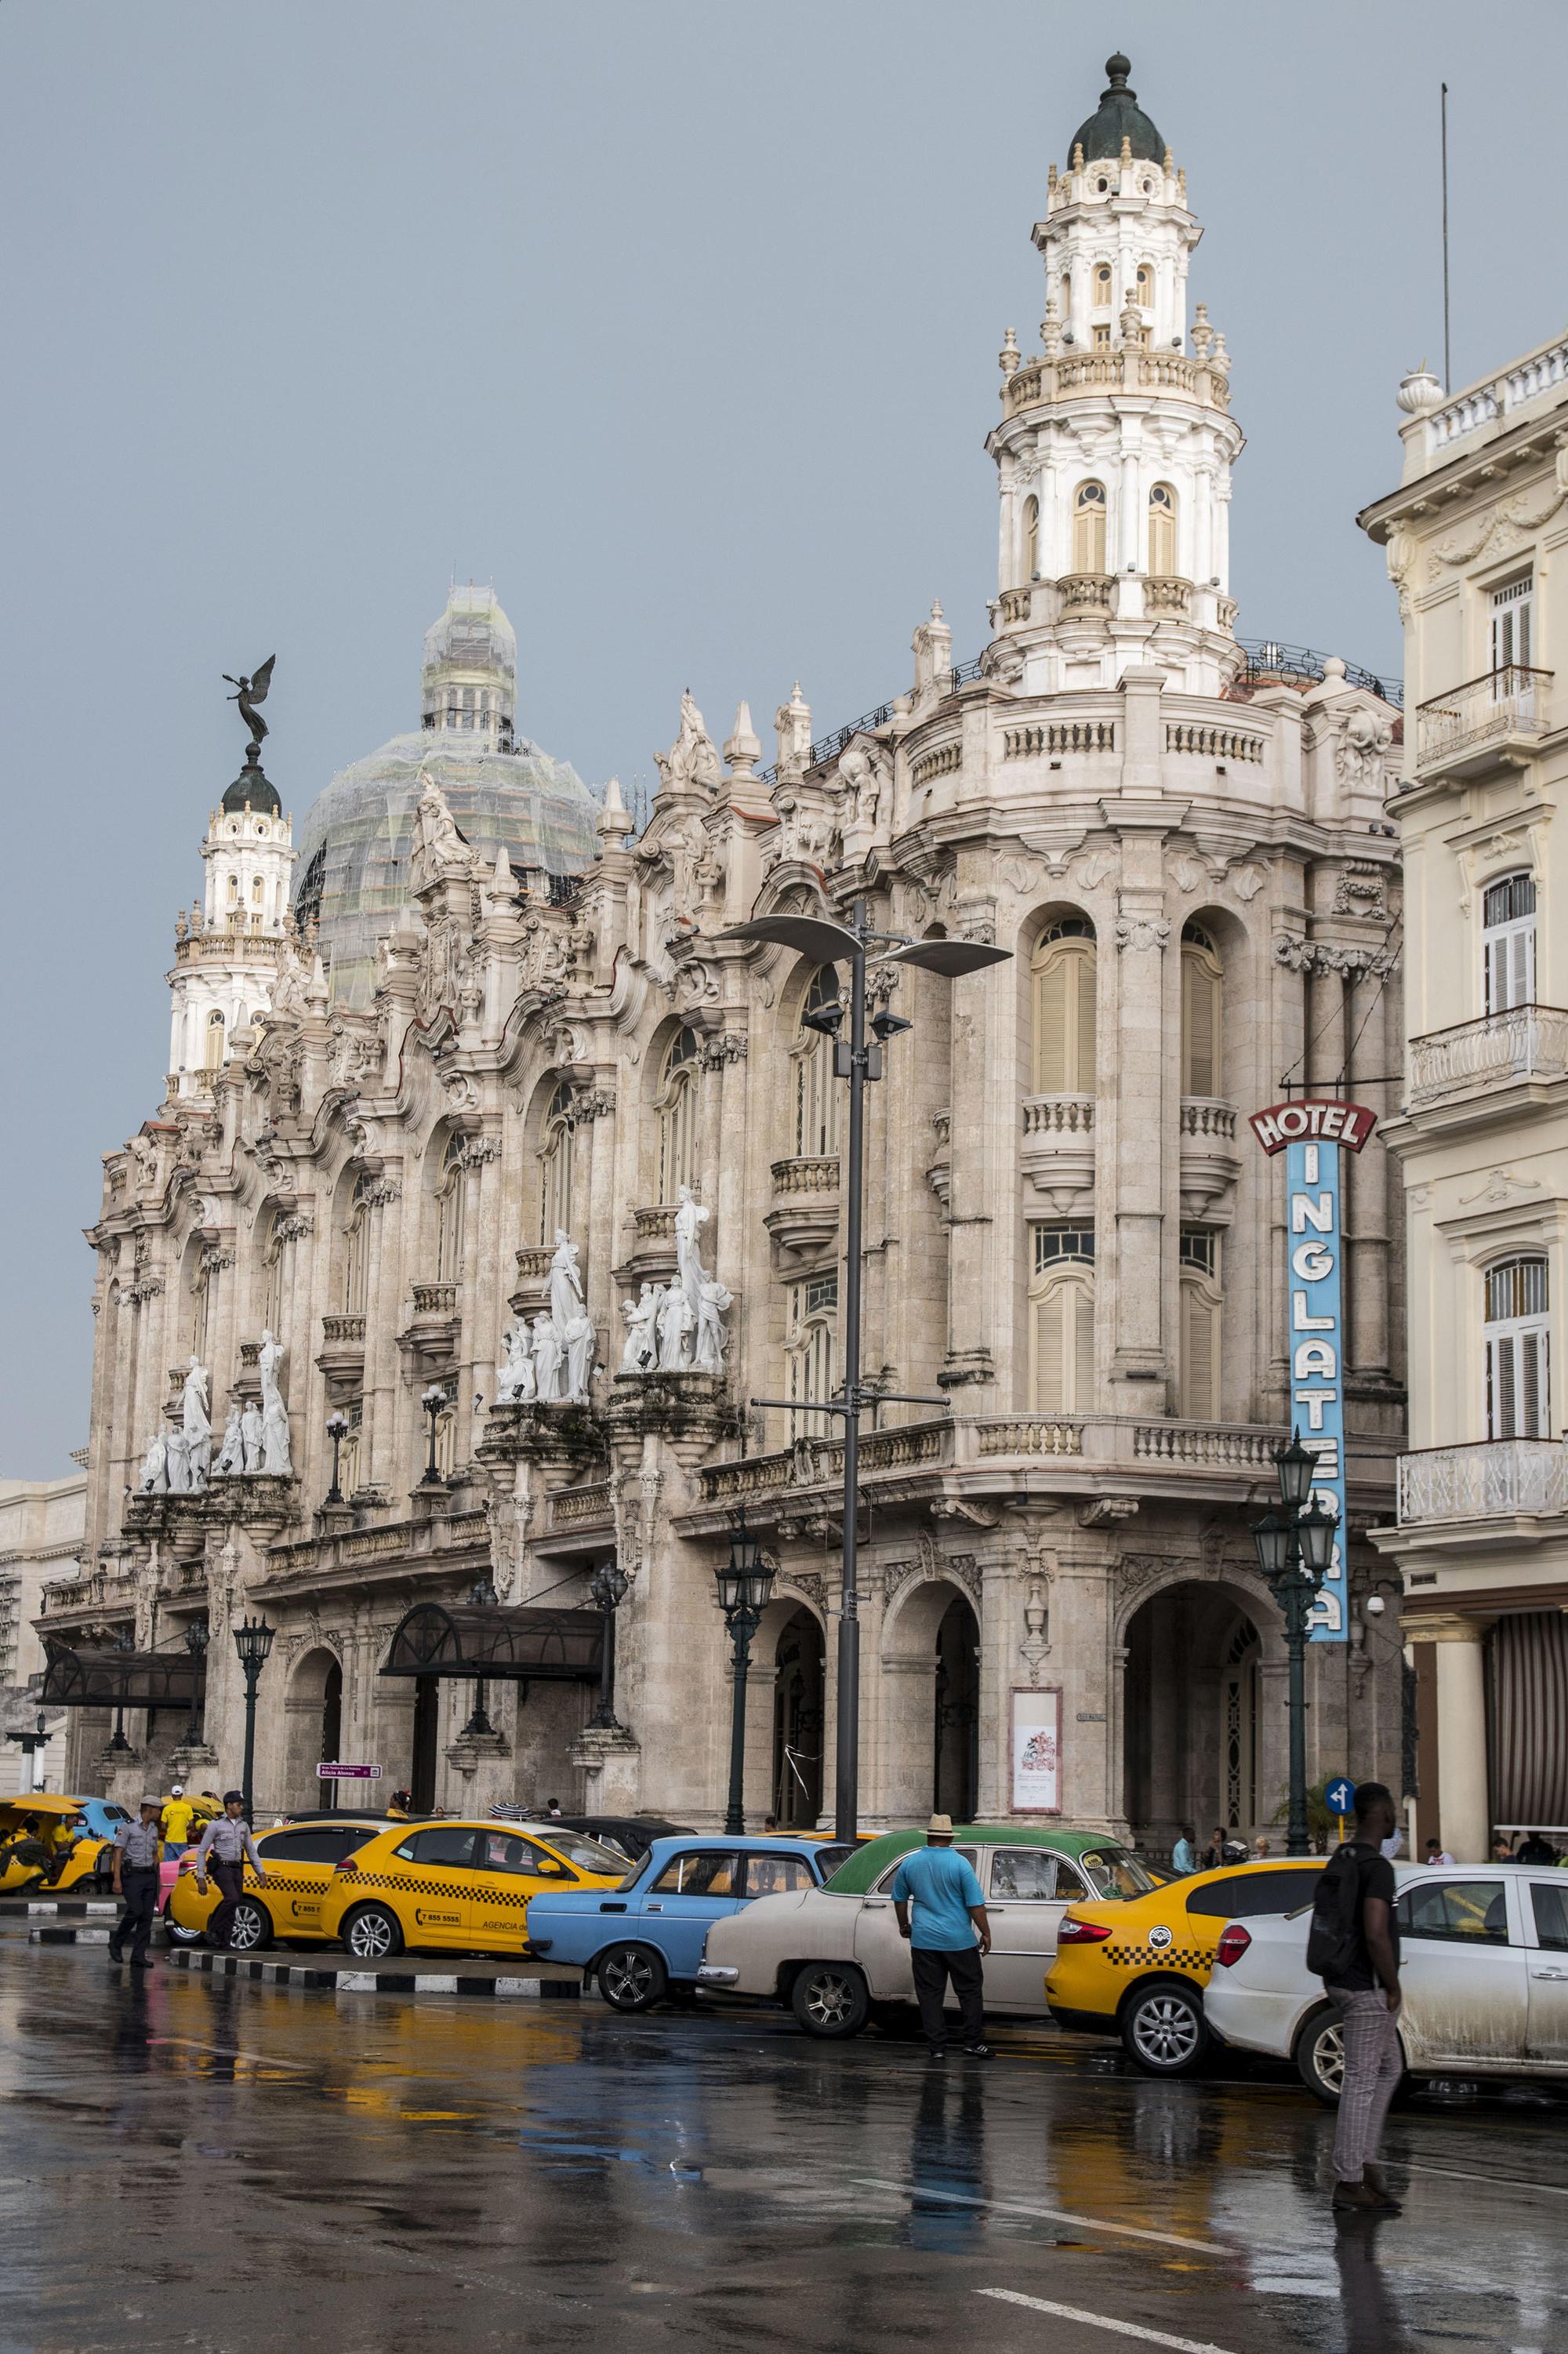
point(1340, 1796)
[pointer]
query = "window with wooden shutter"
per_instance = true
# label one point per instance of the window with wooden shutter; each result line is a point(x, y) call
point(1518, 1351)
point(1062, 1320)
point(1064, 1009)
point(1162, 531)
point(1507, 943)
point(1089, 528)
point(1200, 1382)
point(1203, 978)
point(1512, 613)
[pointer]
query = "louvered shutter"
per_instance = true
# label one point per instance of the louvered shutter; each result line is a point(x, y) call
point(1198, 995)
point(1088, 998)
point(1199, 1319)
point(1534, 1400)
point(1049, 1350)
point(1080, 1305)
point(1050, 1028)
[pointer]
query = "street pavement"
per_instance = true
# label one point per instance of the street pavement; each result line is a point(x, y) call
point(215, 2164)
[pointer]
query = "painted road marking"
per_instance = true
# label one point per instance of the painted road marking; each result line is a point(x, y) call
point(1103, 2321)
point(256, 2059)
point(1048, 2214)
point(1503, 2181)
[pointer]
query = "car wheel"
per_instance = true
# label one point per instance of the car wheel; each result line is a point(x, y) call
point(632, 1978)
point(250, 1927)
point(830, 1998)
point(1162, 2027)
point(372, 1934)
point(176, 1934)
point(1321, 2054)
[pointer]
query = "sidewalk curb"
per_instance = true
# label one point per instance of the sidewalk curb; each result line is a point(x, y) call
point(67, 1937)
point(236, 1966)
point(21, 1908)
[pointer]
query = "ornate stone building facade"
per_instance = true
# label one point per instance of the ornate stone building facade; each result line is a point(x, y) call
point(1067, 1234)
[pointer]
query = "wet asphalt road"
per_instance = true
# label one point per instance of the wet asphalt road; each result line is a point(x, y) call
point(202, 2164)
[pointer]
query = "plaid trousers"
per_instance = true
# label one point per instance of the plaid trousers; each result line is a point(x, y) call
point(1372, 2069)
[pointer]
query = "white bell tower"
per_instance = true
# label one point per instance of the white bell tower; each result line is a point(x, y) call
point(226, 950)
point(1115, 449)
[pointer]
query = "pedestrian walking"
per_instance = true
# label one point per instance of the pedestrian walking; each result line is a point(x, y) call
point(178, 1812)
point(138, 1850)
point(399, 1805)
point(1184, 1854)
point(1436, 1853)
point(229, 1840)
point(1353, 1945)
point(948, 1937)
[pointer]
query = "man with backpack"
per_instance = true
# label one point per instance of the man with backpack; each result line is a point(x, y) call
point(1353, 1947)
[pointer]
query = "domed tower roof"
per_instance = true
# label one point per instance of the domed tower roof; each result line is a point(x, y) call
point(351, 876)
point(250, 790)
point(1119, 116)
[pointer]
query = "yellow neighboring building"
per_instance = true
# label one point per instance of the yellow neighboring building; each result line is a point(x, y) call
point(1476, 542)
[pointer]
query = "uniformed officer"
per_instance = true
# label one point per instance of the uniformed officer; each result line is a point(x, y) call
point(228, 1836)
point(138, 1851)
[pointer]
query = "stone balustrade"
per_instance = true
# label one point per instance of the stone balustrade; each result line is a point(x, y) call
point(435, 1299)
point(1210, 743)
point(1493, 1479)
point(807, 1176)
point(1058, 1157)
point(1526, 1041)
point(572, 1508)
point(1132, 368)
point(1086, 592)
point(655, 1226)
point(1209, 1164)
point(395, 1545)
point(1490, 721)
point(347, 1331)
point(1059, 740)
point(1016, 604)
point(534, 1264)
point(1164, 594)
point(1058, 1114)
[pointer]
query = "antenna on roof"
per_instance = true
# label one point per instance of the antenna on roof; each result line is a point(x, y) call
point(1447, 357)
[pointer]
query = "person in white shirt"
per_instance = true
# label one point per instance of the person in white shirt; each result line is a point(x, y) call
point(1436, 1853)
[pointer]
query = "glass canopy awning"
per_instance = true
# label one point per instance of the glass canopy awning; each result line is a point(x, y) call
point(497, 1642)
point(111, 1679)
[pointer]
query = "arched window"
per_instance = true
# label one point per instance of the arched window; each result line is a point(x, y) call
point(1200, 1369)
point(1089, 528)
point(1143, 285)
point(1063, 982)
point(202, 1275)
point(1030, 538)
point(271, 1273)
point(256, 890)
point(556, 1166)
point(1203, 978)
point(815, 1095)
point(1518, 1351)
point(234, 890)
point(1162, 532)
point(1103, 286)
point(1062, 1320)
point(813, 1350)
point(451, 1188)
point(356, 1247)
point(215, 1038)
point(677, 1107)
point(1507, 943)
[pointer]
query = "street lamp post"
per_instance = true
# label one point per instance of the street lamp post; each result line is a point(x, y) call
point(482, 1595)
point(252, 1640)
point(857, 1060)
point(1295, 1555)
point(433, 1399)
point(607, 1591)
point(745, 1583)
point(337, 1431)
point(197, 1637)
point(123, 1641)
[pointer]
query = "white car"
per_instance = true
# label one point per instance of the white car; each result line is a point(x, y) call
point(1483, 1971)
point(834, 1953)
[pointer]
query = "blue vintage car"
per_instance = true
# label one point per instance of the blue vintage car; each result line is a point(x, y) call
point(644, 1939)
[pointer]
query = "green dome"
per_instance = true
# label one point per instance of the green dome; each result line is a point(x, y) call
point(1118, 117)
point(251, 790)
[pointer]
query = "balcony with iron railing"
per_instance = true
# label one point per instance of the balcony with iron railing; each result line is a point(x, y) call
point(1493, 1479)
point(1522, 1042)
point(1491, 722)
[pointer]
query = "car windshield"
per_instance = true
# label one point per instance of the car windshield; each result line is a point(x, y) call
point(1112, 1871)
point(586, 1853)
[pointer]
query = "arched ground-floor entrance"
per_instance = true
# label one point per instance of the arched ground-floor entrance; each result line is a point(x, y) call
point(313, 1713)
point(929, 1704)
point(800, 1716)
point(1200, 1748)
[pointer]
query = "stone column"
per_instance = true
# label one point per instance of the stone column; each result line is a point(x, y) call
point(383, 1299)
point(1465, 1824)
point(1135, 1166)
point(1366, 1207)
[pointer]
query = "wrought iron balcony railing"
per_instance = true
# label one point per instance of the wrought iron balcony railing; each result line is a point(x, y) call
point(1463, 731)
point(1525, 1042)
point(1495, 1478)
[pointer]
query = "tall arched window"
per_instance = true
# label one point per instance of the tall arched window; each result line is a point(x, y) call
point(356, 1247)
point(1030, 538)
point(1200, 1383)
point(451, 1189)
point(1062, 1320)
point(1143, 286)
point(1162, 532)
point(271, 1273)
point(1507, 943)
point(813, 1350)
point(1089, 528)
point(1063, 982)
point(1202, 979)
point(677, 1107)
point(1518, 1351)
point(815, 1095)
point(556, 1166)
point(215, 1037)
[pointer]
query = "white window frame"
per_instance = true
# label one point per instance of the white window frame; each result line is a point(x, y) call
point(1513, 629)
point(1508, 941)
point(1516, 1347)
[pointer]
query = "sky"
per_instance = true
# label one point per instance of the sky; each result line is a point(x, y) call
point(677, 320)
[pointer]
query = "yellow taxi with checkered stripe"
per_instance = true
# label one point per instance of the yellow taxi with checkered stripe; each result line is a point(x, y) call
point(460, 1886)
point(1139, 1969)
point(299, 1860)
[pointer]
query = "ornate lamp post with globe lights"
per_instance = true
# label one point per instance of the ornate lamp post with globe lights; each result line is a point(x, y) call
point(253, 1641)
point(607, 1591)
point(744, 1584)
point(1295, 1554)
point(197, 1637)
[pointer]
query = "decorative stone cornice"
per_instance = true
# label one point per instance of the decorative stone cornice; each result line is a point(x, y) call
point(1316, 958)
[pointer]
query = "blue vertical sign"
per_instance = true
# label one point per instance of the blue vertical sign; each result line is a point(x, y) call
point(1312, 1135)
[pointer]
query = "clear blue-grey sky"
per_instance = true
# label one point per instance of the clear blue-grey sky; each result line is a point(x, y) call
point(680, 322)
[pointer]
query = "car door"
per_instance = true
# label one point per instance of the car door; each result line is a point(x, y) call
point(1024, 1904)
point(882, 1953)
point(1547, 1963)
point(1462, 1972)
point(433, 1873)
point(300, 1865)
point(691, 1892)
point(509, 1870)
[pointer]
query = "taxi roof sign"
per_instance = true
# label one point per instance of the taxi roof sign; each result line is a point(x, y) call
point(1313, 1119)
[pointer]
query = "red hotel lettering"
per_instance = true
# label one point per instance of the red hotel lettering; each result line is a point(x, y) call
point(1313, 1119)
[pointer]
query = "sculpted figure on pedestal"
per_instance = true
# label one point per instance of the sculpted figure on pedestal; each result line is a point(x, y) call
point(231, 1455)
point(514, 1375)
point(690, 1220)
point(196, 1423)
point(676, 1320)
point(254, 1436)
point(548, 1358)
point(275, 1454)
point(641, 1350)
point(154, 1479)
point(579, 1340)
point(713, 1300)
point(178, 1452)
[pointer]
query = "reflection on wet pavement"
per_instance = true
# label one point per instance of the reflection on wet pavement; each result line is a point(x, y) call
point(364, 2172)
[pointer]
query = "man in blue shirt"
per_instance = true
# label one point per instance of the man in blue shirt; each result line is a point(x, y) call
point(1184, 1854)
point(948, 1934)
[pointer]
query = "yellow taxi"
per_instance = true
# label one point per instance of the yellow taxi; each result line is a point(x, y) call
point(41, 1852)
point(299, 1859)
point(461, 1885)
point(1137, 1969)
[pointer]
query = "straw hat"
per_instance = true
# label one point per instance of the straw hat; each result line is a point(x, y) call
point(939, 1827)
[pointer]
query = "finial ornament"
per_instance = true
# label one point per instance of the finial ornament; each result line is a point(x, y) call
point(249, 692)
point(1007, 358)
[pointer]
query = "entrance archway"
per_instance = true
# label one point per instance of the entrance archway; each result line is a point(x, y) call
point(930, 1703)
point(427, 1743)
point(800, 1691)
point(1195, 1735)
point(955, 1764)
point(312, 1715)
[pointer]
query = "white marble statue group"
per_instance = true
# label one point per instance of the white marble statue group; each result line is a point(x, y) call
point(550, 1362)
point(179, 1460)
point(678, 1328)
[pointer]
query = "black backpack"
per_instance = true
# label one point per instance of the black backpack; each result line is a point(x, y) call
point(1333, 1941)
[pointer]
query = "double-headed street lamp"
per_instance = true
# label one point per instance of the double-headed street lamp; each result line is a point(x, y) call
point(1295, 1555)
point(199, 1634)
point(253, 1641)
point(482, 1595)
point(433, 1400)
point(857, 1059)
point(744, 1584)
point(337, 1429)
point(607, 1592)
